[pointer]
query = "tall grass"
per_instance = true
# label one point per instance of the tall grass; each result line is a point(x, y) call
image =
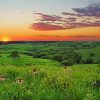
point(41, 83)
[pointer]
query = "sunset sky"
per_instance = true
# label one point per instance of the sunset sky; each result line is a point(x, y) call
point(54, 20)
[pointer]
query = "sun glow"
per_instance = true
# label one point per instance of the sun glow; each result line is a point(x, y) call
point(5, 39)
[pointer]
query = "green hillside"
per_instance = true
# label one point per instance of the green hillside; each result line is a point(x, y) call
point(51, 48)
point(34, 71)
point(85, 52)
point(26, 78)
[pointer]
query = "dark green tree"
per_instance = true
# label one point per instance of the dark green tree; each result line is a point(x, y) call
point(69, 62)
point(40, 55)
point(14, 54)
point(57, 57)
point(89, 60)
point(92, 55)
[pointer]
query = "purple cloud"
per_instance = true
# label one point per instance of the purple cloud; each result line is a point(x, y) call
point(71, 14)
point(45, 17)
point(91, 10)
point(83, 17)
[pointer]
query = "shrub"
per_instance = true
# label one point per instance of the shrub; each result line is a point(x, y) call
point(92, 55)
point(67, 62)
point(96, 84)
point(89, 60)
point(28, 53)
point(73, 56)
point(57, 57)
point(39, 55)
point(14, 54)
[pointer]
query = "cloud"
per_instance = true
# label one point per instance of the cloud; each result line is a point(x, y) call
point(71, 14)
point(91, 10)
point(46, 27)
point(82, 17)
point(84, 24)
point(45, 17)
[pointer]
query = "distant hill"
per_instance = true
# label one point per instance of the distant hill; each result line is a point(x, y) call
point(83, 48)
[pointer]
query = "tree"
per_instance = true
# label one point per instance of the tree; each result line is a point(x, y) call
point(57, 57)
point(14, 54)
point(73, 56)
point(40, 55)
point(92, 55)
point(77, 58)
point(67, 62)
point(28, 53)
point(89, 60)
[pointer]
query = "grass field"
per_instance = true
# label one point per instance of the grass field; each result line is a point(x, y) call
point(28, 78)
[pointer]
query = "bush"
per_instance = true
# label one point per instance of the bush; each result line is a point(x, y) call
point(89, 60)
point(28, 53)
point(73, 56)
point(96, 84)
point(67, 62)
point(57, 57)
point(14, 54)
point(40, 55)
point(77, 58)
point(92, 55)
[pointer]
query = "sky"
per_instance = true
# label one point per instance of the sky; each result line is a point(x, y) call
point(49, 20)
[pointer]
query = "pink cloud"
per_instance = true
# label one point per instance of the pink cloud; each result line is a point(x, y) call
point(83, 17)
point(45, 17)
point(46, 27)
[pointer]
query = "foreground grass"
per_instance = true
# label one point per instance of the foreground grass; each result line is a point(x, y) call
point(26, 78)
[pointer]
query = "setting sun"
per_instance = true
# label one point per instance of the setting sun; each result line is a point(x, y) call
point(5, 39)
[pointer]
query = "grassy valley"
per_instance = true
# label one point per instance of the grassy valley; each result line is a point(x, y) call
point(32, 71)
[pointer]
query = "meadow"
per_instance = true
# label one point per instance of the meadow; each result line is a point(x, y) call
point(29, 78)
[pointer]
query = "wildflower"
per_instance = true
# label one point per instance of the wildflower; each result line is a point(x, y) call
point(70, 70)
point(65, 68)
point(19, 81)
point(97, 83)
point(34, 71)
point(2, 78)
